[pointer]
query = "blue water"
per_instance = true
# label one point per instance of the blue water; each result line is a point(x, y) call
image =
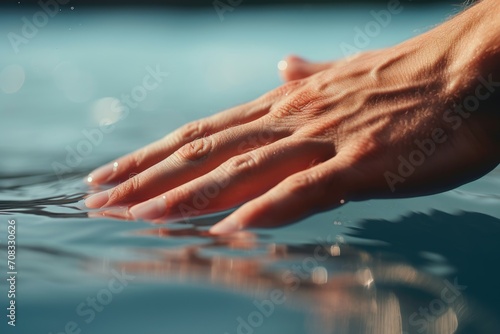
point(383, 266)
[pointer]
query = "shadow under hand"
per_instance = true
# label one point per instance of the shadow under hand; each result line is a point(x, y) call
point(468, 242)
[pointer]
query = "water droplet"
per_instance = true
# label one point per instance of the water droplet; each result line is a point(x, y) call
point(72, 7)
point(115, 166)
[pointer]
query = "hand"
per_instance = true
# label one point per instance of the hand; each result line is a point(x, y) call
point(341, 131)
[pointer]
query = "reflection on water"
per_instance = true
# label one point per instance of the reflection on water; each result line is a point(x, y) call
point(467, 241)
point(18, 186)
point(350, 288)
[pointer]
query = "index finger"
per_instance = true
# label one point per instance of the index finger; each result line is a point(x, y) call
point(129, 165)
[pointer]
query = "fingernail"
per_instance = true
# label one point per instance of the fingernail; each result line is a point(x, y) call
point(225, 227)
point(120, 212)
point(152, 209)
point(98, 200)
point(102, 174)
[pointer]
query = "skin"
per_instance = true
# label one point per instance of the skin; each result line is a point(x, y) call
point(334, 132)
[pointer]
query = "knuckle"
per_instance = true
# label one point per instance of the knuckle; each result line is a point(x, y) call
point(302, 103)
point(125, 189)
point(302, 99)
point(196, 150)
point(283, 90)
point(192, 131)
point(136, 160)
point(288, 87)
point(304, 184)
point(242, 164)
point(262, 138)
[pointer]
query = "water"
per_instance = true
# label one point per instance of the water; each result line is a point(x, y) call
point(382, 266)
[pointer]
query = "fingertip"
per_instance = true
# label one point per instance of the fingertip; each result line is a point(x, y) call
point(289, 62)
point(118, 212)
point(89, 179)
point(101, 174)
point(225, 226)
point(295, 59)
point(292, 68)
point(149, 210)
point(98, 200)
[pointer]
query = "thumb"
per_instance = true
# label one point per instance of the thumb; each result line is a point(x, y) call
point(294, 68)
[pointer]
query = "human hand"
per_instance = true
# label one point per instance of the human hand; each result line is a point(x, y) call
point(336, 132)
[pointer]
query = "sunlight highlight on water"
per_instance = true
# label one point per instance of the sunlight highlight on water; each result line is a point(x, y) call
point(107, 110)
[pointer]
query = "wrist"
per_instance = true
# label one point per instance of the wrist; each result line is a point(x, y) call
point(481, 63)
point(473, 40)
point(465, 53)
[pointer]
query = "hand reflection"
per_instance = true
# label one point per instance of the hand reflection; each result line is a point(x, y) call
point(343, 288)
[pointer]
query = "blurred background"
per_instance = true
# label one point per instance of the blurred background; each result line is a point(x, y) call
point(68, 67)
